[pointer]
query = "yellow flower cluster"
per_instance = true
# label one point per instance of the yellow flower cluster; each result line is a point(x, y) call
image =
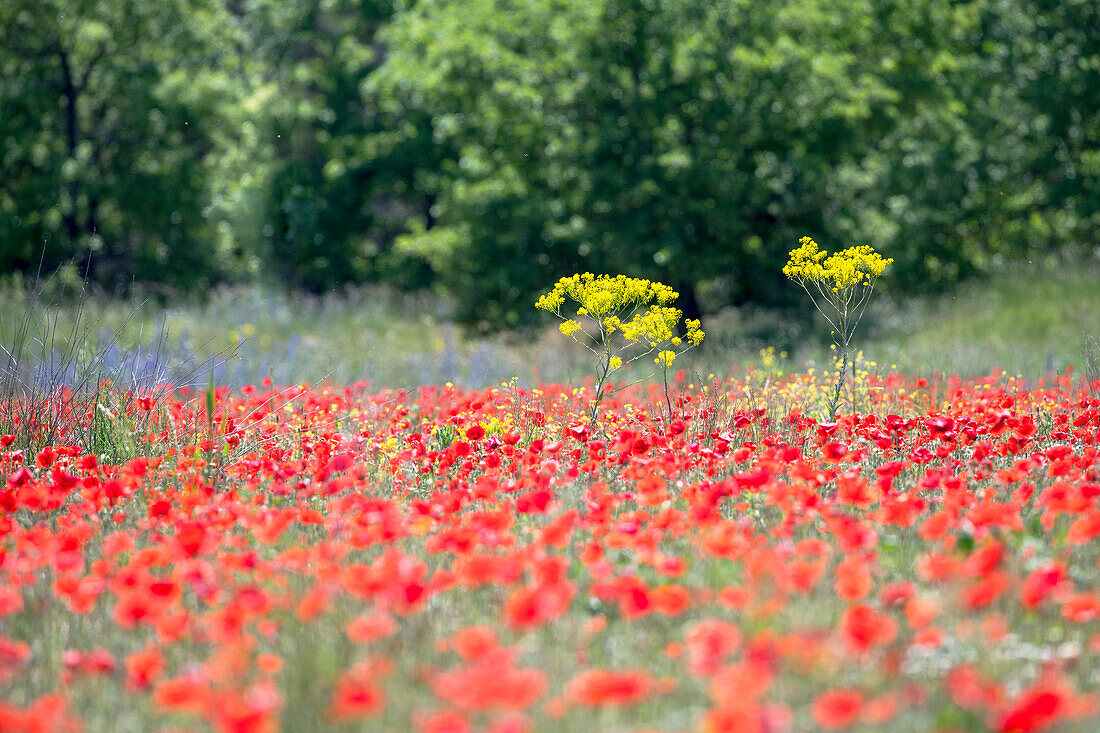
point(846, 269)
point(602, 295)
point(569, 327)
point(653, 325)
point(665, 357)
point(627, 318)
point(694, 333)
point(842, 285)
point(605, 300)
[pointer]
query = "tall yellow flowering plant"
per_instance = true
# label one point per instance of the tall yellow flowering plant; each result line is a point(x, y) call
point(840, 286)
point(620, 319)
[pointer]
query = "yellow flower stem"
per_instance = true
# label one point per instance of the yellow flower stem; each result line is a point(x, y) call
point(601, 377)
point(835, 401)
point(668, 401)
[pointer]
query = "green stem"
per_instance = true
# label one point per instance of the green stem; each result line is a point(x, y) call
point(667, 400)
point(835, 401)
point(601, 379)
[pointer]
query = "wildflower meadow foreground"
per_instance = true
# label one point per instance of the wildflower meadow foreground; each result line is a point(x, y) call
point(447, 560)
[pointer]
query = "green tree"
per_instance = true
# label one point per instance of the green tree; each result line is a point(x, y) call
point(1051, 54)
point(981, 162)
point(689, 142)
point(491, 147)
point(113, 110)
point(335, 191)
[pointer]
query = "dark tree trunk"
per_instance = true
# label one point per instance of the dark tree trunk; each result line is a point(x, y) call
point(72, 136)
point(688, 302)
point(429, 219)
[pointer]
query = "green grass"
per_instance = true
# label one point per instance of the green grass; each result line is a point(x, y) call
point(373, 334)
point(1026, 319)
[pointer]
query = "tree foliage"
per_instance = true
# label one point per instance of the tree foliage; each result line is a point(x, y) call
point(113, 126)
point(489, 147)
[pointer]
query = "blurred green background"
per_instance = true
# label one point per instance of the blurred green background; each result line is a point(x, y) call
point(391, 167)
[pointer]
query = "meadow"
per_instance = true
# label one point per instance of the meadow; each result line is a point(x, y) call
point(1027, 320)
point(262, 513)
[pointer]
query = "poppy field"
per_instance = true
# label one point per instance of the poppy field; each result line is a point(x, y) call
point(718, 558)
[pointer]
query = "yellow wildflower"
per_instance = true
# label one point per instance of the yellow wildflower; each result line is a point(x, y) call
point(569, 327)
point(840, 286)
point(639, 311)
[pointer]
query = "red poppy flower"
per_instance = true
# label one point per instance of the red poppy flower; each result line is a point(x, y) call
point(836, 709)
point(864, 628)
point(357, 695)
point(1035, 709)
point(596, 687)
